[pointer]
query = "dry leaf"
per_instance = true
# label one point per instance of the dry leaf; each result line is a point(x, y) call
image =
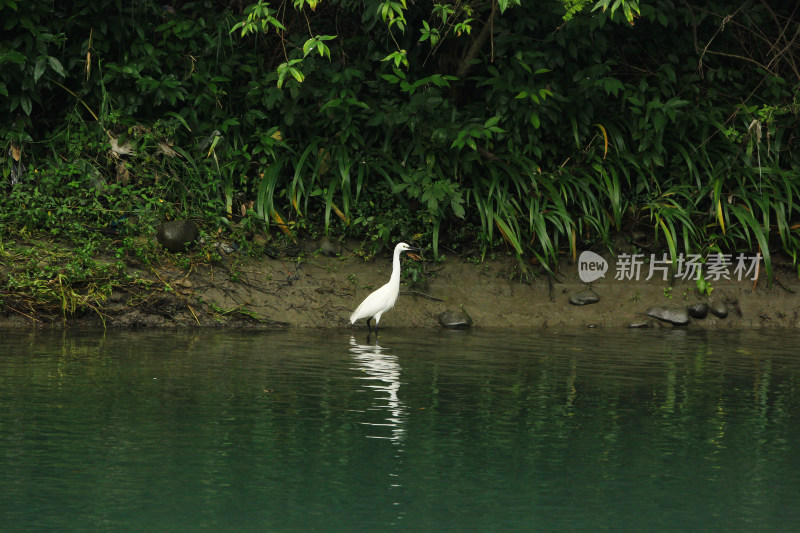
point(123, 174)
point(125, 149)
point(165, 149)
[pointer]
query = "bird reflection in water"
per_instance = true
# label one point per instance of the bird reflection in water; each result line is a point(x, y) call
point(381, 371)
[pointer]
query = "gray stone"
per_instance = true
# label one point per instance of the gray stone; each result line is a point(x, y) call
point(584, 297)
point(698, 310)
point(329, 248)
point(718, 308)
point(175, 235)
point(641, 324)
point(677, 316)
point(455, 319)
point(225, 248)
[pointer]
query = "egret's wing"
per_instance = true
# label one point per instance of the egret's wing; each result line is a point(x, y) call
point(371, 305)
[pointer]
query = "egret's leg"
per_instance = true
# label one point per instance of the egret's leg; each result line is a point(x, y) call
point(369, 326)
point(371, 331)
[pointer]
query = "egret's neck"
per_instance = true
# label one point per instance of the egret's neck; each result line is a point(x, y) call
point(395, 279)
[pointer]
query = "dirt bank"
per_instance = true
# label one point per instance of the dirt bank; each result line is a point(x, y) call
point(321, 291)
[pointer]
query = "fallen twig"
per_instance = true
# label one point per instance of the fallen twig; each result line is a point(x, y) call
point(428, 296)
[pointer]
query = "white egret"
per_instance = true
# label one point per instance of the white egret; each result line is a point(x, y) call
point(383, 299)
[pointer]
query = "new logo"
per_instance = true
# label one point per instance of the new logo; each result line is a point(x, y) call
point(591, 266)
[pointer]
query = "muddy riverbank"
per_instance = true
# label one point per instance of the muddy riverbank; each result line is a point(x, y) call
point(320, 291)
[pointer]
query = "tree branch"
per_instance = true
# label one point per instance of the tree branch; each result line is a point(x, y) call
point(477, 44)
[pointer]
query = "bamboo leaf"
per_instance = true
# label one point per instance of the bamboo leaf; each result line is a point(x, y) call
point(750, 224)
point(575, 132)
point(605, 139)
point(507, 234)
point(718, 204)
point(669, 234)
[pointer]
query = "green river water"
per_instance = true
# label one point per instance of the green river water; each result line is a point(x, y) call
point(427, 430)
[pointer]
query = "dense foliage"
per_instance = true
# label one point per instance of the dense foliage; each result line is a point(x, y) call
point(547, 126)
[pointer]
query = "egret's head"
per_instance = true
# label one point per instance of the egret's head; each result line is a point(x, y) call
point(403, 247)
